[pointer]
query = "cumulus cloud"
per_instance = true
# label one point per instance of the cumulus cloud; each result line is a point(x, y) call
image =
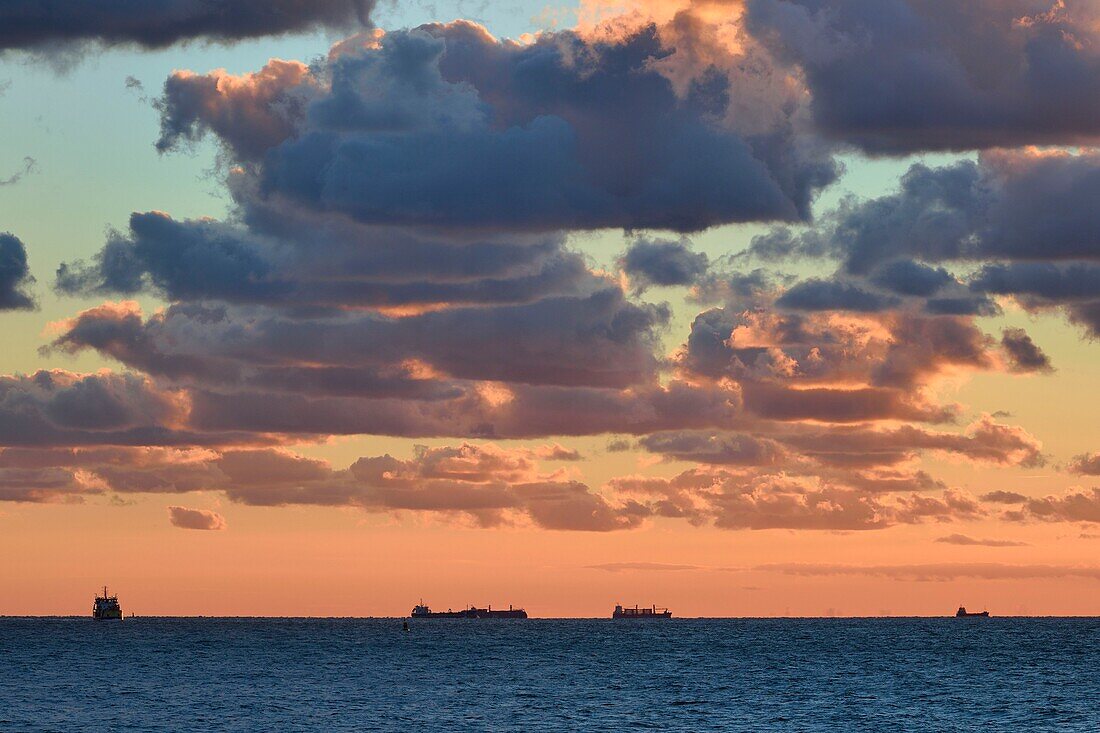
point(662, 263)
point(901, 76)
point(205, 519)
point(32, 25)
point(15, 275)
point(558, 133)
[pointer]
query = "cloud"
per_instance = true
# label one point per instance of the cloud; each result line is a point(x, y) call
point(830, 295)
point(554, 134)
point(30, 165)
point(15, 275)
point(30, 25)
point(1087, 464)
point(941, 572)
point(1004, 497)
point(60, 408)
point(961, 539)
point(276, 262)
point(598, 340)
point(662, 263)
point(1010, 204)
point(1078, 505)
point(902, 76)
point(1024, 355)
point(185, 518)
point(757, 500)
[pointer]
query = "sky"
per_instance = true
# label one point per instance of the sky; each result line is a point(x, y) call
point(739, 307)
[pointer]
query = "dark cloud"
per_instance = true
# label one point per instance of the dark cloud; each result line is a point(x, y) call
point(1024, 355)
point(713, 448)
point(831, 295)
point(906, 277)
point(282, 264)
point(962, 539)
point(34, 25)
point(662, 262)
point(1012, 205)
point(184, 518)
point(15, 275)
point(59, 408)
point(555, 134)
point(599, 340)
point(900, 76)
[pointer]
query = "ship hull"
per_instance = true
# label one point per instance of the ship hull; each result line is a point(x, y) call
point(642, 616)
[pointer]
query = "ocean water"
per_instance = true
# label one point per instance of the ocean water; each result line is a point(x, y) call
point(149, 674)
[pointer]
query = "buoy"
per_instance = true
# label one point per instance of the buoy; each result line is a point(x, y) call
point(404, 625)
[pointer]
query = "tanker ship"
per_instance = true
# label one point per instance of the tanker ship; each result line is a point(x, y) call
point(422, 611)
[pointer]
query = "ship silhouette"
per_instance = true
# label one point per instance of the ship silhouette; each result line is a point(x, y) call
point(421, 610)
point(641, 613)
point(963, 613)
point(106, 608)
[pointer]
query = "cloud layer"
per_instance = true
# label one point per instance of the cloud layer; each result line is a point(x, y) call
point(33, 25)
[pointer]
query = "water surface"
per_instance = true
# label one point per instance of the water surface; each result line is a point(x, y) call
point(149, 674)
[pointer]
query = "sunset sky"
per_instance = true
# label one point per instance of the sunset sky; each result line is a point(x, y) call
point(742, 307)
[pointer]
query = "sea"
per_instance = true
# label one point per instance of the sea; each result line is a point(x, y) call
point(211, 674)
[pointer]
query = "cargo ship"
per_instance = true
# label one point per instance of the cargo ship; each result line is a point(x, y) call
point(641, 613)
point(422, 611)
point(963, 613)
point(106, 608)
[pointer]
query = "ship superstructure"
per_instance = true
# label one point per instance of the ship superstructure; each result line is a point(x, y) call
point(106, 607)
point(651, 612)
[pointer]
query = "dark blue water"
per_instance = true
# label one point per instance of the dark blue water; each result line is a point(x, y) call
point(150, 674)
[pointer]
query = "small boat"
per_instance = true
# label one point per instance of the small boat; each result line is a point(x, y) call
point(641, 613)
point(963, 613)
point(106, 608)
point(421, 610)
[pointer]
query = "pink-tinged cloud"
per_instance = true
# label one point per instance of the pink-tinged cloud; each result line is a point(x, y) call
point(203, 519)
point(1077, 505)
point(1087, 464)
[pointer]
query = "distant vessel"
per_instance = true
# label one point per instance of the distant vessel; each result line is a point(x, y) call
point(963, 613)
point(422, 611)
point(106, 608)
point(646, 613)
